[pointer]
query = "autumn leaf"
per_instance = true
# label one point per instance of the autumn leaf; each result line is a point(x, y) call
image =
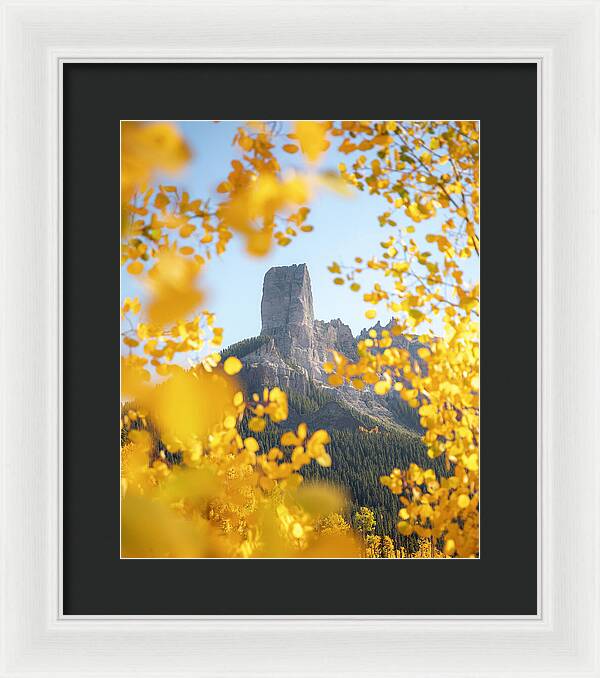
point(312, 137)
point(172, 285)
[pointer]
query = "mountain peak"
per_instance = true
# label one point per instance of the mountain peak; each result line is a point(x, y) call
point(287, 298)
point(293, 347)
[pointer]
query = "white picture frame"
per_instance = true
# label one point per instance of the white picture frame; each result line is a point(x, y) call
point(563, 38)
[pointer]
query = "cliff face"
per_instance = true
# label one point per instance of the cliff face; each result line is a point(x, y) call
point(287, 298)
point(293, 346)
point(288, 318)
point(287, 313)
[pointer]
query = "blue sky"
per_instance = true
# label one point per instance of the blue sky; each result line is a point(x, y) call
point(345, 227)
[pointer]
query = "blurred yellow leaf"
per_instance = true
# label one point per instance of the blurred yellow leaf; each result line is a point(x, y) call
point(147, 149)
point(463, 501)
point(232, 365)
point(135, 267)
point(172, 284)
point(312, 137)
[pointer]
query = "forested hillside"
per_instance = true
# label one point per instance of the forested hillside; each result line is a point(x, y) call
point(360, 455)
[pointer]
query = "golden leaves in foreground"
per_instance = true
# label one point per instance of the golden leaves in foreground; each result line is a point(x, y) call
point(150, 530)
point(423, 169)
point(312, 137)
point(232, 365)
point(228, 498)
point(172, 283)
point(252, 207)
point(446, 393)
point(193, 486)
point(148, 148)
point(190, 404)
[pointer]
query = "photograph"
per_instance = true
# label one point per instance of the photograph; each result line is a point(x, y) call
point(299, 191)
point(299, 339)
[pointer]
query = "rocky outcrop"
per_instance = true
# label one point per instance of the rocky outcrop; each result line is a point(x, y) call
point(407, 342)
point(333, 335)
point(287, 298)
point(287, 313)
point(288, 319)
point(293, 347)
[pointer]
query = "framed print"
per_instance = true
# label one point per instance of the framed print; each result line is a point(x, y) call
point(305, 415)
point(281, 471)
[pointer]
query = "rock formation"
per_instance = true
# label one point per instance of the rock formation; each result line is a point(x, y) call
point(293, 346)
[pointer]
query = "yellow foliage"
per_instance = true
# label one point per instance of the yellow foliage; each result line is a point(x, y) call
point(147, 149)
point(230, 497)
point(232, 365)
point(447, 392)
point(312, 137)
point(172, 284)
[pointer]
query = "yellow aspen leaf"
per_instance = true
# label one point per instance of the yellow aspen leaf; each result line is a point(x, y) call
point(370, 314)
point(135, 267)
point(148, 148)
point(267, 484)
point(472, 463)
point(335, 380)
point(320, 437)
point(274, 454)
point(290, 439)
point(161, 201)
point(311, 136)
point(382, 387)
point(370, 378)
point(383, 140)
point(232, 365)
point(324, 460)
point(328, 367)
point(449, 547)
point(463, 501)
point(416, 315)
point(404, 528)
point(290, 148)
point(256, 424)
point(251, 444)
point(302, 430)
point(187, 230)
point(134, 305)
point(338, 281)
point(173, 290)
